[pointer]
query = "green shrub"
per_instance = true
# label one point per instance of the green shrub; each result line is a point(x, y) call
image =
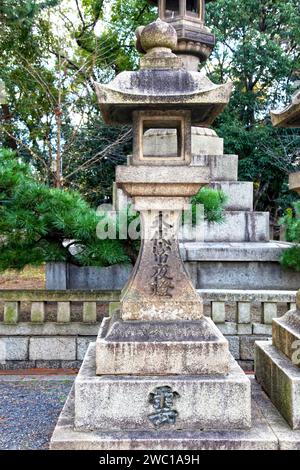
point(213, 201)
point(39, 224)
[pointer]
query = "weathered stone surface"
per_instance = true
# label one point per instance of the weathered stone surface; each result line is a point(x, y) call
point(63, 312)
point(234, 346)
point(129, 90)
point(269, 312)
point(286, 334)
point(245, 275)
point(204, 402)
point(228, 328)
point(89, 312)
point(11, 312)
point(244, 329)
point(160, 288)
point(38, 295)
point(161, 348)
point(248, 227)
point(247, 349)
point(261, 436)
point(261, 329)
point(289, 116)
point(37, 312)
point(52, 348)
point(204, 141)
point(281, 381)
point(161, 180)
point(244, 312)
point(16, 349)
point(218, 312)
point(83, 344)
point(240, 194)
point(49, 329)
point(222, 167)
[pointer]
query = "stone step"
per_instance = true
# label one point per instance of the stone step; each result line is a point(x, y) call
point(239, 265)
point(222, 167)
point(240, 194)
point(234, 252)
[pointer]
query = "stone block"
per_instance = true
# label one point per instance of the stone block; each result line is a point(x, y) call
point(89, 312)
point(63, 312)
point(37, 312)
point(261, 436)
point(218, 312)
point(286, 335)
point(269, 312)
point(262, 329)
point(17, 365)
point(11, 312)
point(228, 328)
point(234, 346)
point(281, 381)
point(54, 348)
point(83, 344)
point(240, 194)
point(244, 312)
point(204, 402)
point(222, 167)
point(71, 364)
point(248, 227)
point(14, 349)
point(243, 329)
point(247, 348)
point(158, 348)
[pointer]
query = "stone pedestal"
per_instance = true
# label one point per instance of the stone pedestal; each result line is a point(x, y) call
point(159, 365)
point(277, 366)
point(166, 403)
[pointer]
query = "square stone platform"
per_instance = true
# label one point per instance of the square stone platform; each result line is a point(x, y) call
point(115, 403)
point(161, 348)
point(269, 431)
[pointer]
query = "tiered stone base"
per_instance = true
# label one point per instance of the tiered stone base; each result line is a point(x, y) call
point(116, 403)
point(269, 431)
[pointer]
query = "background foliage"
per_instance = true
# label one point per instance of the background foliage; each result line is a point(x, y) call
point(51, 51)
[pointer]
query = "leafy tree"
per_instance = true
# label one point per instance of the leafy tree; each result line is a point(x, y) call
point(258, 49)
point(39, 224)
point(291, 220)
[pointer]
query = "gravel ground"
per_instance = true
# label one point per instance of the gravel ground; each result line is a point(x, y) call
point(29, 409)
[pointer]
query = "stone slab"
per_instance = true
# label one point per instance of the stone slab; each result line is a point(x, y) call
point(245, 275)
point(161, 348)
point(222, 167)
point(248, 227)
point(52, 348)
point(260, 437)
point(234, 251)
point(202, 402)
point(240, 194)
point(286, 334)
point(280, 378)
point(13, 349)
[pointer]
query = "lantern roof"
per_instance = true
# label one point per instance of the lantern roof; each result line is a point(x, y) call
point(161, 84)
point(289, 116)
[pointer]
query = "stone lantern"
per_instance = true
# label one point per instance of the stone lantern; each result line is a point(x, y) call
point(195, 40)
point(159, 367)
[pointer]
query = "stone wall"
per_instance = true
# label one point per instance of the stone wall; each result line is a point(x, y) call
point(52, 329)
